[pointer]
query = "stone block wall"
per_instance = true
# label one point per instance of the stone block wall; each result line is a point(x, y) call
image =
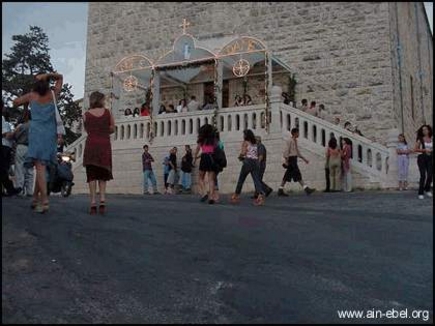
point(412, 57)
point(340, 52)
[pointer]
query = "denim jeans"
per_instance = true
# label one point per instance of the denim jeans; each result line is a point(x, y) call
point(250, 166)
point(186, 180)
point(24, 175)
point(149, 174)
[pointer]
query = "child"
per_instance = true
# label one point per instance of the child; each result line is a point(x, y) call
point(403, 162)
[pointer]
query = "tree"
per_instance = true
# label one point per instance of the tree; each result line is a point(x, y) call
point(29, 56)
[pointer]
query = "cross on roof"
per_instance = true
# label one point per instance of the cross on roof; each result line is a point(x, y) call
point(185, 25)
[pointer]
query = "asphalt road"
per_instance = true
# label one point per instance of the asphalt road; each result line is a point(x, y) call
point(172, 259)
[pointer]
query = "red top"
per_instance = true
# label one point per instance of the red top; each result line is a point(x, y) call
point(98, 151)
point(145, 113)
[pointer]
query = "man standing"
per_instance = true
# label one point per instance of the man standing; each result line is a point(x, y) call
point(262, 155)
point(148, 173)
point(193, 104)
point(172, 171)
point(23, 173)
point(291, 154)
point(6, 157)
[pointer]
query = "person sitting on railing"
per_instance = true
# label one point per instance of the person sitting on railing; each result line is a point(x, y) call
point(182, 106)
point(348, 126)
point(304, 105)
point(128, 112)
point(322, 114)
point(286, 98)
point(337, 121)
point(145, 110)
point(247, 100)
point(170, 109)
point(162, 109)
point(136, 112)
point(312, 109)
point(208, 104)
point(193, 104)
point(238, 101)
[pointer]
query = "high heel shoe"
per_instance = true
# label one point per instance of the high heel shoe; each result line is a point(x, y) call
point(34, 204)
point(93, 210)
point(102, 207)
point(42, 208)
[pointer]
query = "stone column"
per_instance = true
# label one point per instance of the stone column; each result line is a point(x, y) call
point(392, 141)
point(275, 101)
point(156, 93)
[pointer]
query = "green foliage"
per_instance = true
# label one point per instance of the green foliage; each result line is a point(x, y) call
point(30, 56)
point(292, 87)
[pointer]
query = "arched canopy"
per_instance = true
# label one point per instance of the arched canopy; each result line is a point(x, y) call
point(247, 48)
point(185, 49)
point(134, 67)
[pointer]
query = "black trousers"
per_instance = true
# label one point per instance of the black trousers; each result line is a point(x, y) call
point(5, 165)
point(425, 167)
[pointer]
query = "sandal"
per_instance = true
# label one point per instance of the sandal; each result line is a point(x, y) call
point(102, 207)
point(42, 208)
point(235, 199)
point(34, 204)
point(93, 210)
point(259, 201)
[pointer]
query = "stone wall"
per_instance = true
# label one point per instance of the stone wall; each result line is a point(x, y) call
point(412, 57)
point(341, 52)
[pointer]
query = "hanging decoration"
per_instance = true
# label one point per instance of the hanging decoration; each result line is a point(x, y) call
point(130, 83)
point(216, 91)
point(266, 95)
point(149, 101)
point(241, 68)
point(292, 88)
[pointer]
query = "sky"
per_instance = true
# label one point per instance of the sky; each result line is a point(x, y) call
point(65, 24)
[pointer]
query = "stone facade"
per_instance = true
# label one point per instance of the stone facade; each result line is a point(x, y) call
point(343, 54)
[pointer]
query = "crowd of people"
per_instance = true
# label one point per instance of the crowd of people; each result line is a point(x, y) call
point(186, 106)
point(36, 139)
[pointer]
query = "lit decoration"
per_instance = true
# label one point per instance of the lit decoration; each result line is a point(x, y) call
point(130, 83)
point(185, 25)
point(266, 85)
point(241, 68)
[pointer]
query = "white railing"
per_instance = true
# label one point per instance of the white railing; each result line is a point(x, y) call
point(368, 155)
point(188, 123)
point(177, 125)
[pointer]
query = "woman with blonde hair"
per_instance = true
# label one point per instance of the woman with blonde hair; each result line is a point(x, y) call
point(97, 156)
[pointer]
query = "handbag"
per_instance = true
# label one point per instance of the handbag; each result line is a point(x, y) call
point(59, 122)
point(220, 158)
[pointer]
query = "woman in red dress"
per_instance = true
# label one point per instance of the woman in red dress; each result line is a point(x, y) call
point(97, 157)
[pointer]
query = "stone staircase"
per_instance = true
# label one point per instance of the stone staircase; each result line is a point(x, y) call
point(373, 164)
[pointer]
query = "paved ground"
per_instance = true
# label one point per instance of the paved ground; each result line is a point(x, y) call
point(172, 259)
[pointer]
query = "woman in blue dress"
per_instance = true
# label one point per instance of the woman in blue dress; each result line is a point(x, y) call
point(42, 133)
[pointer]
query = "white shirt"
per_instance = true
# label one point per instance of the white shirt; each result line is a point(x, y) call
point(193, 106)
point(6, 127)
